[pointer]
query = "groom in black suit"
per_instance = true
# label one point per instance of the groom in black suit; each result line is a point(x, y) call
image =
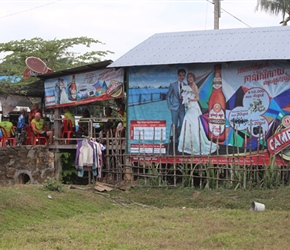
point(174, 102)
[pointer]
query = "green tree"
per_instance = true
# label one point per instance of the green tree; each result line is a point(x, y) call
point(57, 54)
point(275, 7)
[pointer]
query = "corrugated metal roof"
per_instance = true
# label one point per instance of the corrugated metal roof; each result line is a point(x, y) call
point(227, 45)
point(77, 70)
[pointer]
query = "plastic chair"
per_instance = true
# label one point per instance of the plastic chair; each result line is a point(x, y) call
point(39, 140)
point(5, 138)
point(67, 130)
point(29, 135)
point(33, 139)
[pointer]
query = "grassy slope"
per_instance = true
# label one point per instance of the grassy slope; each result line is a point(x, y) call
point(142, 219)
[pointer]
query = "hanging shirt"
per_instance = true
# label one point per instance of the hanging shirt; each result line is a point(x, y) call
point(86, 155)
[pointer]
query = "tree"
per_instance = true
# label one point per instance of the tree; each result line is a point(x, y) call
point(57, 54)
point(275, 7)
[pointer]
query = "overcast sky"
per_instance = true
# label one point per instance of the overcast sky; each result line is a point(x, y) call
point(121, 24)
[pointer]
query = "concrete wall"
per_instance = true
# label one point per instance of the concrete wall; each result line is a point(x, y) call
point(26, 164)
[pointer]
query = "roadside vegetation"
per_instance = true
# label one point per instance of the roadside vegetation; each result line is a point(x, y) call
point(43, 217)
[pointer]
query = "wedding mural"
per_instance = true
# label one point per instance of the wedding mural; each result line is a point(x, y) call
point(243, 105)
point(84, 88)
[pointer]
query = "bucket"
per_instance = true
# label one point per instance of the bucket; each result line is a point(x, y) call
point(257, 207)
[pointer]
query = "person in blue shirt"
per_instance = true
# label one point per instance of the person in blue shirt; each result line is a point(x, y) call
point(21, 120)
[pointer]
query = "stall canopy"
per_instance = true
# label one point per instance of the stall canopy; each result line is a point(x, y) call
point(83, 85)
point(21, 94)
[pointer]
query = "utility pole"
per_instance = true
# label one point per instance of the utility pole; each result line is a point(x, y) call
point(217, 13)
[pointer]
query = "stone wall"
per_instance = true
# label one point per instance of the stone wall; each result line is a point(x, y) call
point(26, 164)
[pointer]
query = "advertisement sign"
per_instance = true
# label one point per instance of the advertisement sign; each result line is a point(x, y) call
point(201, 109)
point(84, 88)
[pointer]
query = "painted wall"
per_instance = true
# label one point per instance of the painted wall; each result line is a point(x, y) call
point(256, 114)
point(77, 89)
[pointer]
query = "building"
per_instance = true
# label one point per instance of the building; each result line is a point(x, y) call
point(254, 72)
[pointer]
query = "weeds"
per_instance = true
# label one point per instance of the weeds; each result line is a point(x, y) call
point(52, 185)
point(211, 176)
point(69, 172)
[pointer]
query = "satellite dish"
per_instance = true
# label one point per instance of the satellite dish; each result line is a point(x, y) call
point(36, 65)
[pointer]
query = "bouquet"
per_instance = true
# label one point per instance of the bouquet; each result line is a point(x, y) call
point(187, 94)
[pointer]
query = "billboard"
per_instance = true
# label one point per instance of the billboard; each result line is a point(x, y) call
point(228, 107)
point(84, 88)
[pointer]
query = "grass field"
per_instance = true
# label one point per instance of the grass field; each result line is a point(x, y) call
point(32, 217)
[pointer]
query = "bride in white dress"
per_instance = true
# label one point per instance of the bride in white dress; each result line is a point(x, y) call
point(193, 139)
point(63, 93)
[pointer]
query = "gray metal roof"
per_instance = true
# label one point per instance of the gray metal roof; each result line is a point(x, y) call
point(245, 44)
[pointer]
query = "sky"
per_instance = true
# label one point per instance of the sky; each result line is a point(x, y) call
point(121, 25)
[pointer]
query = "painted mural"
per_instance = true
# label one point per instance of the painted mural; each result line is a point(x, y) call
point(201, 109)
point(84, 88)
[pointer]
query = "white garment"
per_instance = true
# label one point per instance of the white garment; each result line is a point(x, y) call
point(63, 97)
point(193, 139)
point(86, 155)
point(99, 159)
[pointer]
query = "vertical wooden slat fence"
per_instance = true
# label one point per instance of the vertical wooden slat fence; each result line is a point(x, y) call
point(234, 167)
point(239, 169)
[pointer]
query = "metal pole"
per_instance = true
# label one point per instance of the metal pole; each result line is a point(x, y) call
point(217, 14)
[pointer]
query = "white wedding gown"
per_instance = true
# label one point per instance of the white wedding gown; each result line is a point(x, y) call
point(193, 139)
point(63, 96)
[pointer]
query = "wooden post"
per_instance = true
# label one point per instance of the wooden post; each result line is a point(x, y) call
point(57, 134)
point(217, 14)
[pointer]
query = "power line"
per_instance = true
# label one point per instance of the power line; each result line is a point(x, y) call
point(236, 18)
point(43, 5)
point(23, 11)
point(231, 14)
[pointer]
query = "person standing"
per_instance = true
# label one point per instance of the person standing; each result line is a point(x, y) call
point(21, 123)
point(174, 102)
point(84, 124)
point(193, 139)
point(121, 123)
point(106, 122)
point(35, 109)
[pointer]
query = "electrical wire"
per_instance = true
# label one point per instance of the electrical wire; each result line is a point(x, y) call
point(231, 14)
point(236, 18)
point(23, 11)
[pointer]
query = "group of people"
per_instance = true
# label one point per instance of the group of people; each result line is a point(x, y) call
point(8, 128)
point(107, 122)
point(37, 123)
point(33, 119)
point(182, 101)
